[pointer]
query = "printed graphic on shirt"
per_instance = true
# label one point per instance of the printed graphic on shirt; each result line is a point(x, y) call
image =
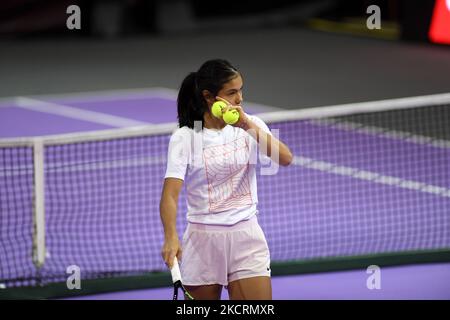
point(227, 173)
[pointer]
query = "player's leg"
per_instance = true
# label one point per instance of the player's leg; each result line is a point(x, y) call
point(255, 288)
point(207, 292)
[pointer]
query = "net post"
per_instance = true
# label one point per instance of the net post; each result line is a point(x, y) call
point(39, 205)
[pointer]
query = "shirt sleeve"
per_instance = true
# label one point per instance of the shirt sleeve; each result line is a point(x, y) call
point(178, 154)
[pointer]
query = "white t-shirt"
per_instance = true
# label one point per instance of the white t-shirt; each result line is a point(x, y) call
point(219, 170)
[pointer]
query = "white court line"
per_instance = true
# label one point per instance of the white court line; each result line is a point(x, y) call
point(357, 108)
point(74, 166)
point(383, 132)
point(99, 95)
point(111, 95)
point(306, 162)
point(75, 113)
point(10, 103)
point(374, 177)
point(124, 94)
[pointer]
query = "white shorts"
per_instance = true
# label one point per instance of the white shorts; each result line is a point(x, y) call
point(222, 254)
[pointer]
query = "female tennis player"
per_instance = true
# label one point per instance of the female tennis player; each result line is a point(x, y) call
point(223, 244)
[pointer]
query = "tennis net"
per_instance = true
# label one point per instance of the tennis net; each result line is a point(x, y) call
point(367, 178)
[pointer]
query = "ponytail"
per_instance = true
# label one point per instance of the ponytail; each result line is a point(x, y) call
point(190, 106)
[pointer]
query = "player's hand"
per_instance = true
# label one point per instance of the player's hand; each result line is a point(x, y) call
point(170, 249)
point(243, 119)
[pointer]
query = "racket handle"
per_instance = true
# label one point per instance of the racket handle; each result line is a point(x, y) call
point(175, 271)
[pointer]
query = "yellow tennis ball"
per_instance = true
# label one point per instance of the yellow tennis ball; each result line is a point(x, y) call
point(217, 108)
point(231, 116)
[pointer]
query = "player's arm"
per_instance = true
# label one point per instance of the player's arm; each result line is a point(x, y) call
point(168, 214)
point(272, 143)
point(263, 138)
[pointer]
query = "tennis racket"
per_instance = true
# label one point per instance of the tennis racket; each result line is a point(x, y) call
point(177, 284)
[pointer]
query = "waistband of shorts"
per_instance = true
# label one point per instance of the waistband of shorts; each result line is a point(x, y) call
point(235, 227)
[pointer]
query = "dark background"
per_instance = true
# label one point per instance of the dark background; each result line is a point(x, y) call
point(293, 54)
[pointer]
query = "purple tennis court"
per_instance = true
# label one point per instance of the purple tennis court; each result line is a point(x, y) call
point(363, 184)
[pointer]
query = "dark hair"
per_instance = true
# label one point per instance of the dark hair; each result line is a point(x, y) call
point(211, 76)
